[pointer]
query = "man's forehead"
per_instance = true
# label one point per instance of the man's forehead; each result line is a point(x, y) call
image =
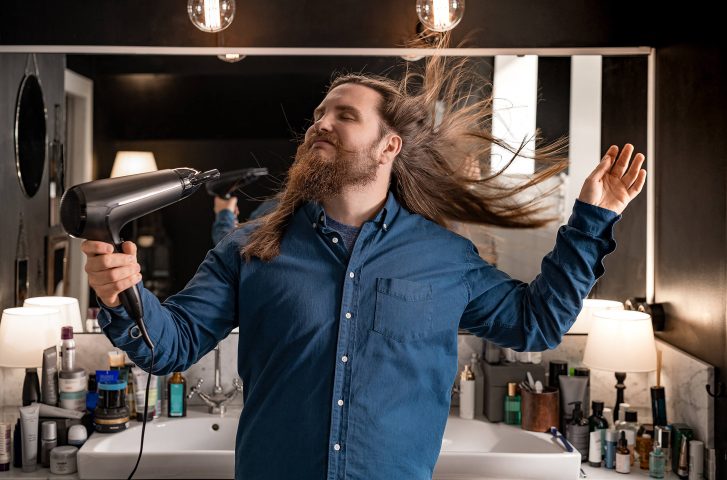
point(352, 94)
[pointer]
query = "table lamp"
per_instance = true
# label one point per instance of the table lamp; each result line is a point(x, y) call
point(131, 163)
point(24, 333)
point(585, 318)
point(68, 306)
point(621, 341)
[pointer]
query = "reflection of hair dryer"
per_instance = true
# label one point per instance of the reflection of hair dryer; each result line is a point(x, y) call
point(98, 210)
point(228, 182)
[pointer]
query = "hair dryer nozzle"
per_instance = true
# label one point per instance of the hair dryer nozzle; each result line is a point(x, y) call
point(203, 177)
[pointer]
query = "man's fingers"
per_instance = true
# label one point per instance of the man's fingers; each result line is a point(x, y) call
point(633, 170)
point(635, 189)
point(605, 165)
point(111, 289)
point(129, 247)
point(107, 276)
point(619, 168)
point(92, 247)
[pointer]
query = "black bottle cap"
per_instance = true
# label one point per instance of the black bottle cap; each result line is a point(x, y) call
point(622, 442)
point(582, 372)
point(597, 407)
point(577, 412)
point(631, 416)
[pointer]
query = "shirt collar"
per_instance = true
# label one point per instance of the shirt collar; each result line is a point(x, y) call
point(383, 218)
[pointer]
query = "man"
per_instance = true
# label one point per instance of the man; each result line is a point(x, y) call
point(349, 294)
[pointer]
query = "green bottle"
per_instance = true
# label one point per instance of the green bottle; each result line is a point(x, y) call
point(177, 396)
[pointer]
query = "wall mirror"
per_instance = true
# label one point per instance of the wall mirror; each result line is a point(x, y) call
point(30, 135)
point(191, 109)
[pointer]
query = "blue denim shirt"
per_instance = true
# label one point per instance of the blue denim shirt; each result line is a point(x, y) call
point(348, 361)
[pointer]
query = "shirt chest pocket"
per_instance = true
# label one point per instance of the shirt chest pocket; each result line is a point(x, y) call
point(403, 309)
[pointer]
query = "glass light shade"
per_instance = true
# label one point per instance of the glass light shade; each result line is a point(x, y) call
point(131, 163)
point(440, 15)
point(590, 305)
point(231, 57)
point(621, 341)
point(25, 332)
point(68, 306)
point(211, 15)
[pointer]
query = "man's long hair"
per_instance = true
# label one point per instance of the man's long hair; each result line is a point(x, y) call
point(444, 120)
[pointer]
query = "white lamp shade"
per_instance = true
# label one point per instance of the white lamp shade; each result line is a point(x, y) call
point(590, 305)
point(621, 341)
point(131, 163)
point(70, 311)
point(25, 332)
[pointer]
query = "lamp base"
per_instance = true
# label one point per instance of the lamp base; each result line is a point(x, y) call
point(31, 387)
point(620, 387)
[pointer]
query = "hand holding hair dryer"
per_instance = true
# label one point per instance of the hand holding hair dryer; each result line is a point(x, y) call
point(98, 210)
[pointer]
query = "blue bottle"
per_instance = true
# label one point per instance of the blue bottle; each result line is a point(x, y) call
point(611, 437)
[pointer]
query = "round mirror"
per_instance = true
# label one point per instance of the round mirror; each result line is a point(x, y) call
point(30, 141)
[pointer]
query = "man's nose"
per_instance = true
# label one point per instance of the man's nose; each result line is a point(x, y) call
point(323, 124)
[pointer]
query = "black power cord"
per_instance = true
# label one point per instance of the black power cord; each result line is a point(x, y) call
point(143, 423)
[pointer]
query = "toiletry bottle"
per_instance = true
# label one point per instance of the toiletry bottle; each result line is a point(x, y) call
point(467, 393)
point(576, 431)
point(48, 441)
point(663, 435)
point(512, 405)
point(683, 468)
point(17, 446)
point(476, 367)
point(623, 456)
point(631, 426)
point(177, 396)
point(696, 459)
point(4, 447)
point(597, 422)
point(611, 438)
point(68, 349)
point(594, 449)
point(656, 462)
point(585, 372)
point(644, 444)
point(658, 405)
point(50, 376)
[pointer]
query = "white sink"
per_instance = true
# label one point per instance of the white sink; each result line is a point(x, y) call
point(197, 446)
point(478, 450)
point(203, 446)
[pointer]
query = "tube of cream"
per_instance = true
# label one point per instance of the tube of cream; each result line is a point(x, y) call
point(50, 376)
point(55, 412)
point(140, 377)
point(572, 389)
point(29, 432)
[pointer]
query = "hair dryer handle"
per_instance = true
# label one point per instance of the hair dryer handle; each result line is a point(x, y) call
point(131, 300)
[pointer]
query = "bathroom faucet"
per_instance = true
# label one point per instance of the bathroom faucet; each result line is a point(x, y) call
point(216, 401)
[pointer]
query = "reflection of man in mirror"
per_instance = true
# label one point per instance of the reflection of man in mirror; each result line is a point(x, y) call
point(349, 294)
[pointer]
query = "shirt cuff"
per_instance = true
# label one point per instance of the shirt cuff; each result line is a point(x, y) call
point(115, 323)
point(226, 216)
point(593, 220)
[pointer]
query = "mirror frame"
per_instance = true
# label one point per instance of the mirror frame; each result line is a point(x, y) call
point(24, 84)
point(455, 52)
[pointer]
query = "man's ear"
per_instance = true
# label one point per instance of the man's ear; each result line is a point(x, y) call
point(392, 147)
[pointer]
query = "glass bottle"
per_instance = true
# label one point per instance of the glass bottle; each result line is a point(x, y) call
point(597, 421)
point(623, 456)
point(177, 395)
point(512, 405)
point(657, 462)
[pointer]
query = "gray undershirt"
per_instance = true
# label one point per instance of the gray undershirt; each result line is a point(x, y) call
point(348, 233)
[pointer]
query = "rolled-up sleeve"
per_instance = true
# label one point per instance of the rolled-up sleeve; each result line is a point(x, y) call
point(535, 316)
point(188, 324)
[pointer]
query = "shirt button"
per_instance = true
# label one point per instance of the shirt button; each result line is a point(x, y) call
point(385, 227)
point(335, 240)
point(351, 274)
point(344, 359)
point(336, 447)
point(340, 403)
point(348, 314)
point(315, 225)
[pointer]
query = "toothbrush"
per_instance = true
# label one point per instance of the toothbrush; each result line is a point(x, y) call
point(557, 435)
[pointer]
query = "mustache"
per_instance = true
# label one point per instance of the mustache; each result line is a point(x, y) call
point(321, 137)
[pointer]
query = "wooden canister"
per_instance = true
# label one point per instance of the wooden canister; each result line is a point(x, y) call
point(540, 411)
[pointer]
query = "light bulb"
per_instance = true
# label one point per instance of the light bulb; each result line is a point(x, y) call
point(231, 57)
point(440, 15)
point(211, 15)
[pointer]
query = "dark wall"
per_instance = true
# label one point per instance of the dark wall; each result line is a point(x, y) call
point(13, 202)
point(352, 23)
point(691, 213)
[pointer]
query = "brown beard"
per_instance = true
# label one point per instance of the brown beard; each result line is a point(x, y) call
point(317, 175)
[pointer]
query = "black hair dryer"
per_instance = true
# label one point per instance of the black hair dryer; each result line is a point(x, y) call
point(98, 210)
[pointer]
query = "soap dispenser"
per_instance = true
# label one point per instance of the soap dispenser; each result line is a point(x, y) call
point(576, 431)
point(467, 394)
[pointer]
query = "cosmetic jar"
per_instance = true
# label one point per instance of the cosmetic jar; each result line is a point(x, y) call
point(111, 395)
point(77, 435)
point(73, 400)
point(63, 460)
point(72, 380)
point(110, 420)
